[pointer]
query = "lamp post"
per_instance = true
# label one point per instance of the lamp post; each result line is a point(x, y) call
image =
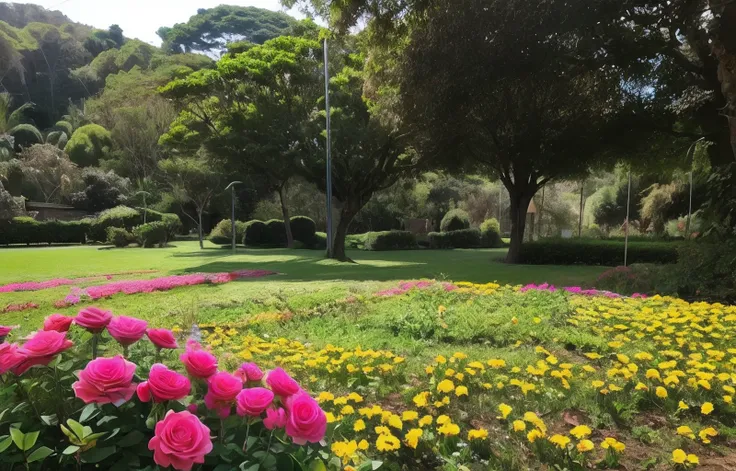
point(691, 156)
point(329, 156)
point(145, 208)
point(626, 229)
point(231, 187)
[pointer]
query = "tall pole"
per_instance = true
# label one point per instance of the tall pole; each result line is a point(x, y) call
point(580, 219)
point(626, 228)
point(329, 156)
point(691, 156)
point(231, 187)
point(145, 207)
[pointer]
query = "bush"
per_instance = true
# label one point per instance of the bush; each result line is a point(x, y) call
point(151, 234)
point(455, 220)
point(465, 238)
point(439, 240)
point(26, 230)
point(119, 237)
point(222, 234)
point(88, 145)
point(318, 242)
point(127, 218)
point(706, 270)
point(595, 252)
point(255, 233)
point(275, 233)
point(636, 278)
point(390, 240)
point(490, 233)
point(303, 228)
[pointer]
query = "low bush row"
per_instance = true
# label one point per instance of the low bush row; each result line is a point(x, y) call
point(390, 240)
point(128, 218)
point(596, 252)
point(271, 233)
point(26, 230)
point(461, 239)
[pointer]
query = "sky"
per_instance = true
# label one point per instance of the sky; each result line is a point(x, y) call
point(141, 18)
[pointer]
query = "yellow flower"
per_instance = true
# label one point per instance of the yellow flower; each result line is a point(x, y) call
point(641, 387)
point(692, 459)
point(409, 415)
point(347, 410)
point(477, 434)
point(429, 370)
point(412, 437)
point(728, 399)
point(496, 363)
point(597, 384)
point(653, 374)
point(537, 320)
point(519, 426)
point(387, 443)
point(330, 417)
point(505, 410)
point(442, 420)
point(325, 396)
point(382, 430)
point(426, 420)
point(363, 445)
point(440, 359)
point(706, 408)
point(514, 320)
point(445, 386)
point(395, 422)
point(461, 391)
point(421, 399)
point(560, 441)
point(345, 450)
point(441, 309)
point(682, 406)
point(661, 392)
point(706, 433)
point(459, 355)
point(585, 445)
point(359, 425)
point(581, 431)
point(685, 431)
point(679, 456)
point(449, 429)
point(533, 435)
point(611, 442)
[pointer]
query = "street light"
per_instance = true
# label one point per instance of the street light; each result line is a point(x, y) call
point(231, 187)
point(691, 155)
point(145, 208)
point(329, 156)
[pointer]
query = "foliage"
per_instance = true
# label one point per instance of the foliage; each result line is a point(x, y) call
point(655, 206)
point(211, 30)
point(490, 233)
point(26, 230)
point(25, 135)
point(465, 238)
point(275, 234)
point(102, 190)
point(303, 228)
point(222, 234)
point(390, 240)
point(54, 178)
point(88, 145)
point(9, 207)
point(455, 220)
point(596, 252)
point(635, 278)
point(706, 269)
point(119, 236)
point(439, 240)
point(151, 234)
point(255, 233)
point(127, 218)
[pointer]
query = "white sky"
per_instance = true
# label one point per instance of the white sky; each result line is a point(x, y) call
point(141, 18)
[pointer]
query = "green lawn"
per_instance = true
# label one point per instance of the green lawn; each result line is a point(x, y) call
point(306, 279)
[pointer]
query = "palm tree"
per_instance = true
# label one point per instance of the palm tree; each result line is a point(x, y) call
point(15, 126)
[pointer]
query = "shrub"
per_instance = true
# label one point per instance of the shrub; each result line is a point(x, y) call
point(318, 242)
point(25, 135)
point(439, 240)
point(465, 238)
point(88, 145)
point(390, 240)
point(490, 233)
point(706, 270)
point(455, 220)
point(636, 278)
point(26, 230)
point(255, 233)
point(595, 252)
point(128, 218)
point(303, 228)
point(151, 234)
point(275, 233)
point(222, 234)
point(119, 237)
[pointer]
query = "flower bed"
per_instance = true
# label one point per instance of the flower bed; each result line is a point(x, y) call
point(56, 282)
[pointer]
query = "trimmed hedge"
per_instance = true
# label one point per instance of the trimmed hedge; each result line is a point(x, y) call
point(595, 252)
point(128, 218)
point(462, 239)
point(455, 220)
point(303, 229)
point(318, 242)
point(151, 234)
point(119, 237)
point(390, 240)
point(26, 230)
point(255, 233)
point(275, 233)
point(222, 234)
point(490, 233)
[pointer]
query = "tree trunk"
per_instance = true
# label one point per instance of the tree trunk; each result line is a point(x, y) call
point(287, 218)
point(348, 212)
point(519, 205)
point(199, 227)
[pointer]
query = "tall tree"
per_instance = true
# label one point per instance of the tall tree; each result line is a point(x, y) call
point(210, 30)
point(51, 174)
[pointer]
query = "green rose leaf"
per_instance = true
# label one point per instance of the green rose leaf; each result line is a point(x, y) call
point(39, 454)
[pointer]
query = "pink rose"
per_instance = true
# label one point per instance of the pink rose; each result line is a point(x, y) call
point(253, 401)
point(306, 421)
point(58, 322)
point(41, 349)
point(198, 362)
point(163, 385)
point(127, 330)
point(162, 338)
point(222, 389)
point(9, 357)
point(4, 331)
point(281, 383)
point(275, 418)
point(180, 441)
point(106, 380)
point(93, 319)
point(249, 372)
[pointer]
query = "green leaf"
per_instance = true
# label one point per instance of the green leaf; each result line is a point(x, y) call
point(106, 419)
point(87, 412)
point(76, 427)
point(29, 441)
point(224, 467)
point(95, 455)
point(18, 437)
point(317, 465)
point(70, 450)
point(39, 454)
point(49, 420)
point(132, 438)
point(66, 366)
point(5, 442)
point(253, 467)
point(376, 464)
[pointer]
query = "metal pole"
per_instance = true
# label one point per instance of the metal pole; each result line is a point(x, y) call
point(329, 157)
point(580, 220)
point(145, 207)
point(231, 187)
point(691, 155)
point(626, 229)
